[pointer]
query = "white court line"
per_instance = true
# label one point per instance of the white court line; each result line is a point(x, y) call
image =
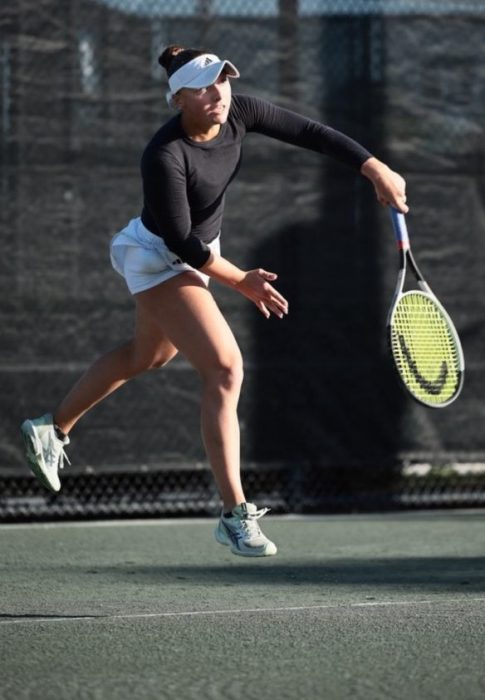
point(238, 611)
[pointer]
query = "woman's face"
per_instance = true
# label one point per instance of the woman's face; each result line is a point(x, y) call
point(207, 106)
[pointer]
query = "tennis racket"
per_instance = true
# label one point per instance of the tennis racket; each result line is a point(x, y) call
point(424, 343)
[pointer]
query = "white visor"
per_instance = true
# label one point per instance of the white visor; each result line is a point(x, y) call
point(200, 72)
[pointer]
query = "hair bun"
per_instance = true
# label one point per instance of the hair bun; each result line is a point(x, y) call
point(166, 58)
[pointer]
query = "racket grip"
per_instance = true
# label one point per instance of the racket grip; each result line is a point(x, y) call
point(400, 229)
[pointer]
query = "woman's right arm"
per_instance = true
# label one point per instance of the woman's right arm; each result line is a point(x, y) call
point(253, 284)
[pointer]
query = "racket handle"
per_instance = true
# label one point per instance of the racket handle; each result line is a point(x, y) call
point(400, 229)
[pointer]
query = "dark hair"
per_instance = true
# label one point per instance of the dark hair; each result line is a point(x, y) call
point(174, 57)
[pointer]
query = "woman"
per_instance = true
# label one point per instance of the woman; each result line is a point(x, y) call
point(167, 257)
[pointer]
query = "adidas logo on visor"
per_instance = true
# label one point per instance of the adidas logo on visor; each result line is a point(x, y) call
point(208, 61)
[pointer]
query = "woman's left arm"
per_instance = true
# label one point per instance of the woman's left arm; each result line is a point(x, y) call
point(279, 123)
point(390, 187)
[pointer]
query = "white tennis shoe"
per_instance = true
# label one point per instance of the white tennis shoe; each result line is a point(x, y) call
point(45, 451)
point(242, 532)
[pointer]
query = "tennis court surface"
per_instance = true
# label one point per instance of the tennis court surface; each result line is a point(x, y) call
point(358, 606)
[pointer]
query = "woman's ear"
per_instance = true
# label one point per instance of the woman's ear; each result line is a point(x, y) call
point(177, 101)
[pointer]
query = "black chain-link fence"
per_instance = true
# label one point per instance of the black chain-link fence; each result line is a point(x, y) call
point(324, 423)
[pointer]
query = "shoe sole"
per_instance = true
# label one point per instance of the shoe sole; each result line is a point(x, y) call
point(264, 553)
point(34, 467)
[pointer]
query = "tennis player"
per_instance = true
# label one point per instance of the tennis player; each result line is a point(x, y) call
point(167, 256)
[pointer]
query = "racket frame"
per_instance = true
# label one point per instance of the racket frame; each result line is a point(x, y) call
point(405, 257)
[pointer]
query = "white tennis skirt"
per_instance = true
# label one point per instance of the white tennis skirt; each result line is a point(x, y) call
point(144, 260)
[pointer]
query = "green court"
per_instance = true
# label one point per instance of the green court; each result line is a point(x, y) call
point(358, 606)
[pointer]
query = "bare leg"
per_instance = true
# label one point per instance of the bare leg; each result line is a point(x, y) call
point(189, 316)
point(149, 348)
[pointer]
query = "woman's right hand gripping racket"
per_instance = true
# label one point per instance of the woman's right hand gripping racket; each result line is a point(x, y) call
point(424, 343)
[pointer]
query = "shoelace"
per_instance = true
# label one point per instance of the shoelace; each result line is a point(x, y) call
point(55, 451)
point(63, 456)
point(250, 524)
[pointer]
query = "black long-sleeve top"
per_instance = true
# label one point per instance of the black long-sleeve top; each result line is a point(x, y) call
point(184, 181)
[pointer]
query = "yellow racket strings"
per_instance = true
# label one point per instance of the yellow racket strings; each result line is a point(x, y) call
point(425, 349)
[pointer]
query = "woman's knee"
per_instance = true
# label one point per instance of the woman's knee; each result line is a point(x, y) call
point(161, 359)
point(144, 359)
point(225, 375)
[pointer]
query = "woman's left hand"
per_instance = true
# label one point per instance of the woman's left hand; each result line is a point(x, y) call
point(390, 187)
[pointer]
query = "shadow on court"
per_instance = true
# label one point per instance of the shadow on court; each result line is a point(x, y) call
point(352, 606)
point(447, 574)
